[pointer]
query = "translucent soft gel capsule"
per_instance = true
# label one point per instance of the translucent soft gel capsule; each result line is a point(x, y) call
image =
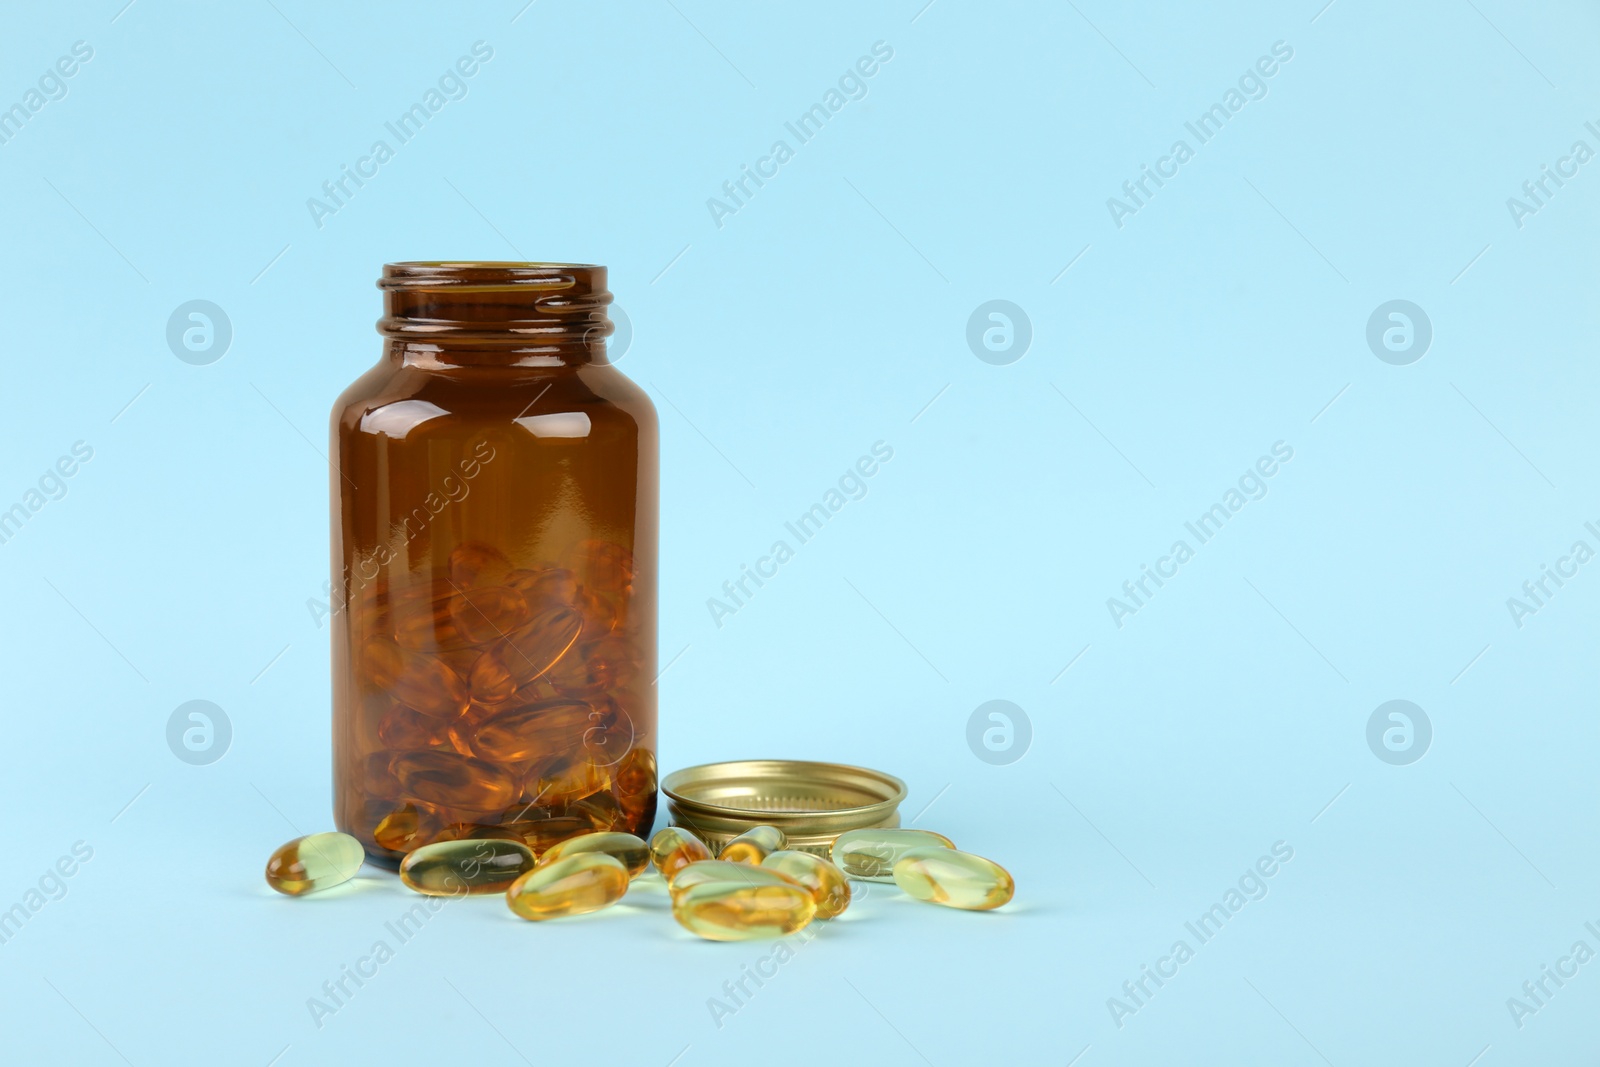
point(403, 729)
point(703, 871)
point(596, 811)
point(636, 774)
point(674, 848)
point(422, 627)
point(630, 851)
point(545, 582)
point(599, 615)
point(506, 665)
point(871, 854)
point(317, 861)
point(729, 911)
point(377, 780)
point(484, 615)
point(441, 616)
point(416, 680)
point(607, 565)
point(634, 783)
point(576, 885)
point(543, 833)
point(754, 845)
point(473, 865)
point(449, 779)
point(954, 879)
point(533, 648)
point(564, 780)
point(597, 667)
point(603, 812)
point(476, 831)
point(406, 828)
point(538, 728)
point(488, 680)
point(828, 885)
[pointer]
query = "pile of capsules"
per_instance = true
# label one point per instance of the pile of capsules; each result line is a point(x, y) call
point(495, 694)
point(756, 888)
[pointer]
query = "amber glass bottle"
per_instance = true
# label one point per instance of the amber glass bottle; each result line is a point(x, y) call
point(494, 558)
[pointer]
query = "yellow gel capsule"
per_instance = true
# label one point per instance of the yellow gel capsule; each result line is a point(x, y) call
point(954, 879)
point(472, 865)
point(577, 885)
point(472, 831)
point(826, 882)
point(548, 582)
point(730, 911)
point(636, 774)
point(450, 780)
point(405, 828)
point(314, 862)
point(537, 728)
point(443, 617)
point(703, 871)
point(607, 565)
point(871, 854)
point(674, 848)
point(541, 834)
point(754, 845)
point(418, 681)
point(630, 851)
point(540, 643)
point(481, 615)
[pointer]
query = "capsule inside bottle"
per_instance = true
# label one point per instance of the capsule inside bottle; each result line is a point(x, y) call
point(540, 727)
point(406, 828)
point(416, 680)
point(449, 779)
point(540, 643)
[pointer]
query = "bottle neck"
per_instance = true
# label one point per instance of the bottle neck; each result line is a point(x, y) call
point(495, 314)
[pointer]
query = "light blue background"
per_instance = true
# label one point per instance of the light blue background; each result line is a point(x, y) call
point(828, 314)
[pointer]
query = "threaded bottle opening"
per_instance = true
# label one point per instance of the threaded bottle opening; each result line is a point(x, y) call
point(553, 308)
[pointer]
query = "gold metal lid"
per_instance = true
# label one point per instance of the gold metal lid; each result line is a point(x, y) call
point(812, 803)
